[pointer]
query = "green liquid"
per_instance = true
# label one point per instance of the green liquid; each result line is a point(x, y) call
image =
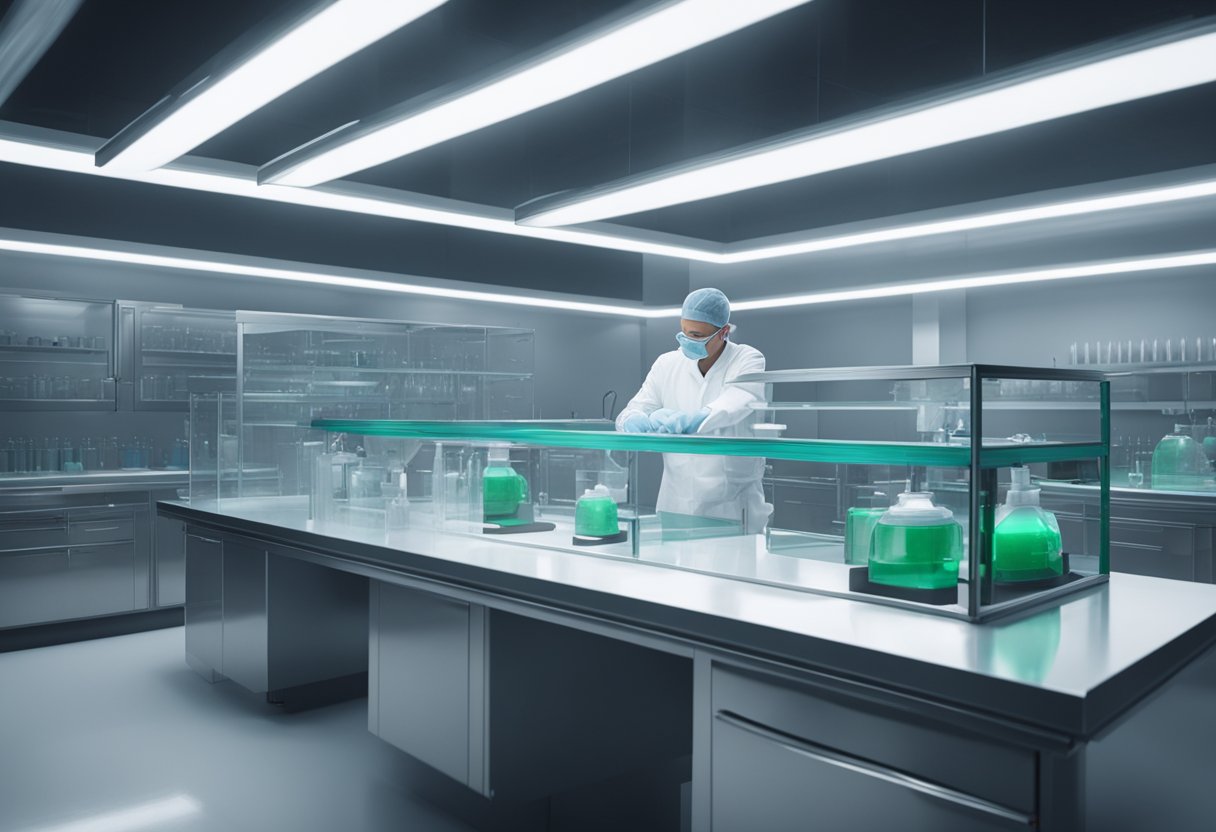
point(916, 557)
point(1026, 547)
point(595, 517)
point(858, 528)
point(502, 489)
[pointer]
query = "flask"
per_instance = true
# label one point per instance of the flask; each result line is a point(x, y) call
point(503, 488)
point(595, 513)
point(916, 544)
point(1026, 538)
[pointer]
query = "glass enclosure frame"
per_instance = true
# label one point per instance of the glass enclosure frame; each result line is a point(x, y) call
point(980, 459)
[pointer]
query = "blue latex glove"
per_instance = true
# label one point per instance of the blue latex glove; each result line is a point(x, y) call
point(662, 419)
point(678, 421)
point(636, 423)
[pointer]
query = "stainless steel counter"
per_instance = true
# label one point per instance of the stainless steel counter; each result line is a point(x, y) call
point(1072, 669)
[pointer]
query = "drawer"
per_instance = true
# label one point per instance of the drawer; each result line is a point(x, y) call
point(767, 782)
point(102, 579)
point(1162, 536)
point(30, 532)
point(1002, 774)
point(34, 587)
point(102, 530)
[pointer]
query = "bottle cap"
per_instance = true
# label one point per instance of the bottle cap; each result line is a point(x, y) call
point(916, 508)
point(1020, 493)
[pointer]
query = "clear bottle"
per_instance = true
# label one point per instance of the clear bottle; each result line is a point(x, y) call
point(916, 544)
point(1026, 538)
point(1179, 463)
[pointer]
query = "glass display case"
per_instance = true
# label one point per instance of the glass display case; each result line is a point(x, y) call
point(56, 354)
point(293, 369)
point(909, 486)
point(174, 346)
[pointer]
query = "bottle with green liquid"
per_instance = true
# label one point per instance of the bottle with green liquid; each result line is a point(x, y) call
point(595, 513)
point(503, 488)
point(1026, 540)
point(916, 544)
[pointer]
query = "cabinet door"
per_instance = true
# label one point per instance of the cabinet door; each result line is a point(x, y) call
point(170, 548)
point(204, 603)
point(103, 579)
point(767, 782)
point(420, 660)
point(34, 587)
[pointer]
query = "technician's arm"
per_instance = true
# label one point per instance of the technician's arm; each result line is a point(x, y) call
point(644, 402)
point(731, 407)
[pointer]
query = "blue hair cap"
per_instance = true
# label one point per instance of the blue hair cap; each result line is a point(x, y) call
point(709, 306)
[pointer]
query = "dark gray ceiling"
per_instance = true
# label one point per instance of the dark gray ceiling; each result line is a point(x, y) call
point(816, 63)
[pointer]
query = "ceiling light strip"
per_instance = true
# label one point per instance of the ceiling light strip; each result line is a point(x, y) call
point(247, 77)
point(1082, 82)
point(1113, 267)
point(234, 268)
point(21, 144)
point(27, 30)
point(749, 252)
point(641, 36)
point(26, 243)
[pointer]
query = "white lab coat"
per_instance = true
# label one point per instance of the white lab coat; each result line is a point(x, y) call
point(700, 484)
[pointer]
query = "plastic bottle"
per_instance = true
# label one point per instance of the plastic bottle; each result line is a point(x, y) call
point(916, 544)
point(503, 488)
point(1026, 539)
point(595, 513)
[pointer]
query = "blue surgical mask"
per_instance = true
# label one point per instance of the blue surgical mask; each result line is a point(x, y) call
point(694, 348)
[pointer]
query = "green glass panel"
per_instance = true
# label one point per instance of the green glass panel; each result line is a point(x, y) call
point(1027, 454)
point(810, 450)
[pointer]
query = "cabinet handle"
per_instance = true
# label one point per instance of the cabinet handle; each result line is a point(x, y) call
point(206, 539)
point(99, 528)
point(823, 754)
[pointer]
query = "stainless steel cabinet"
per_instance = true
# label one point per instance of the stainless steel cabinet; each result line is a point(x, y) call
point(169, 546)
point(788, 757)
point(33, 587)
point(420, 646)
point(517, 708)
point(76, 556)
point(268, 621)
point(205, 604)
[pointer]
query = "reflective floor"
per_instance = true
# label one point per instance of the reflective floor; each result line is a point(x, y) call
point(118, 734)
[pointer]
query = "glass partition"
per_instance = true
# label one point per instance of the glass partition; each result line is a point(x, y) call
point(895, 504)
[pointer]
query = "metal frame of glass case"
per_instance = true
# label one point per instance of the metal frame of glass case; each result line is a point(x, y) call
point(721, 547)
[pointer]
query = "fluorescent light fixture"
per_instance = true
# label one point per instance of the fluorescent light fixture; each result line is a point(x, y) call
point(801, 243)
point(247, 76)
point(1111, 267)
point(642, 35)
point(27, 30)
point(1085, 81)
point(39, 147)
point(240, 266)
point(151, 815)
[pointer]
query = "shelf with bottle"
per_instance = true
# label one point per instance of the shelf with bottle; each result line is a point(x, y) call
point(26, 455)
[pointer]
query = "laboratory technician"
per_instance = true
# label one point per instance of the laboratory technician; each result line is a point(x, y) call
point(687, 391)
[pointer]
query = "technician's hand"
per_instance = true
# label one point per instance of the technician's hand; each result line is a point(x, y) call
point(636, 423)
point(678, 421)
point(661, 420)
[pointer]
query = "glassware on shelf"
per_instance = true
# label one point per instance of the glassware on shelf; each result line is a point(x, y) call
point(1179, 463)
point(1135, 477)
